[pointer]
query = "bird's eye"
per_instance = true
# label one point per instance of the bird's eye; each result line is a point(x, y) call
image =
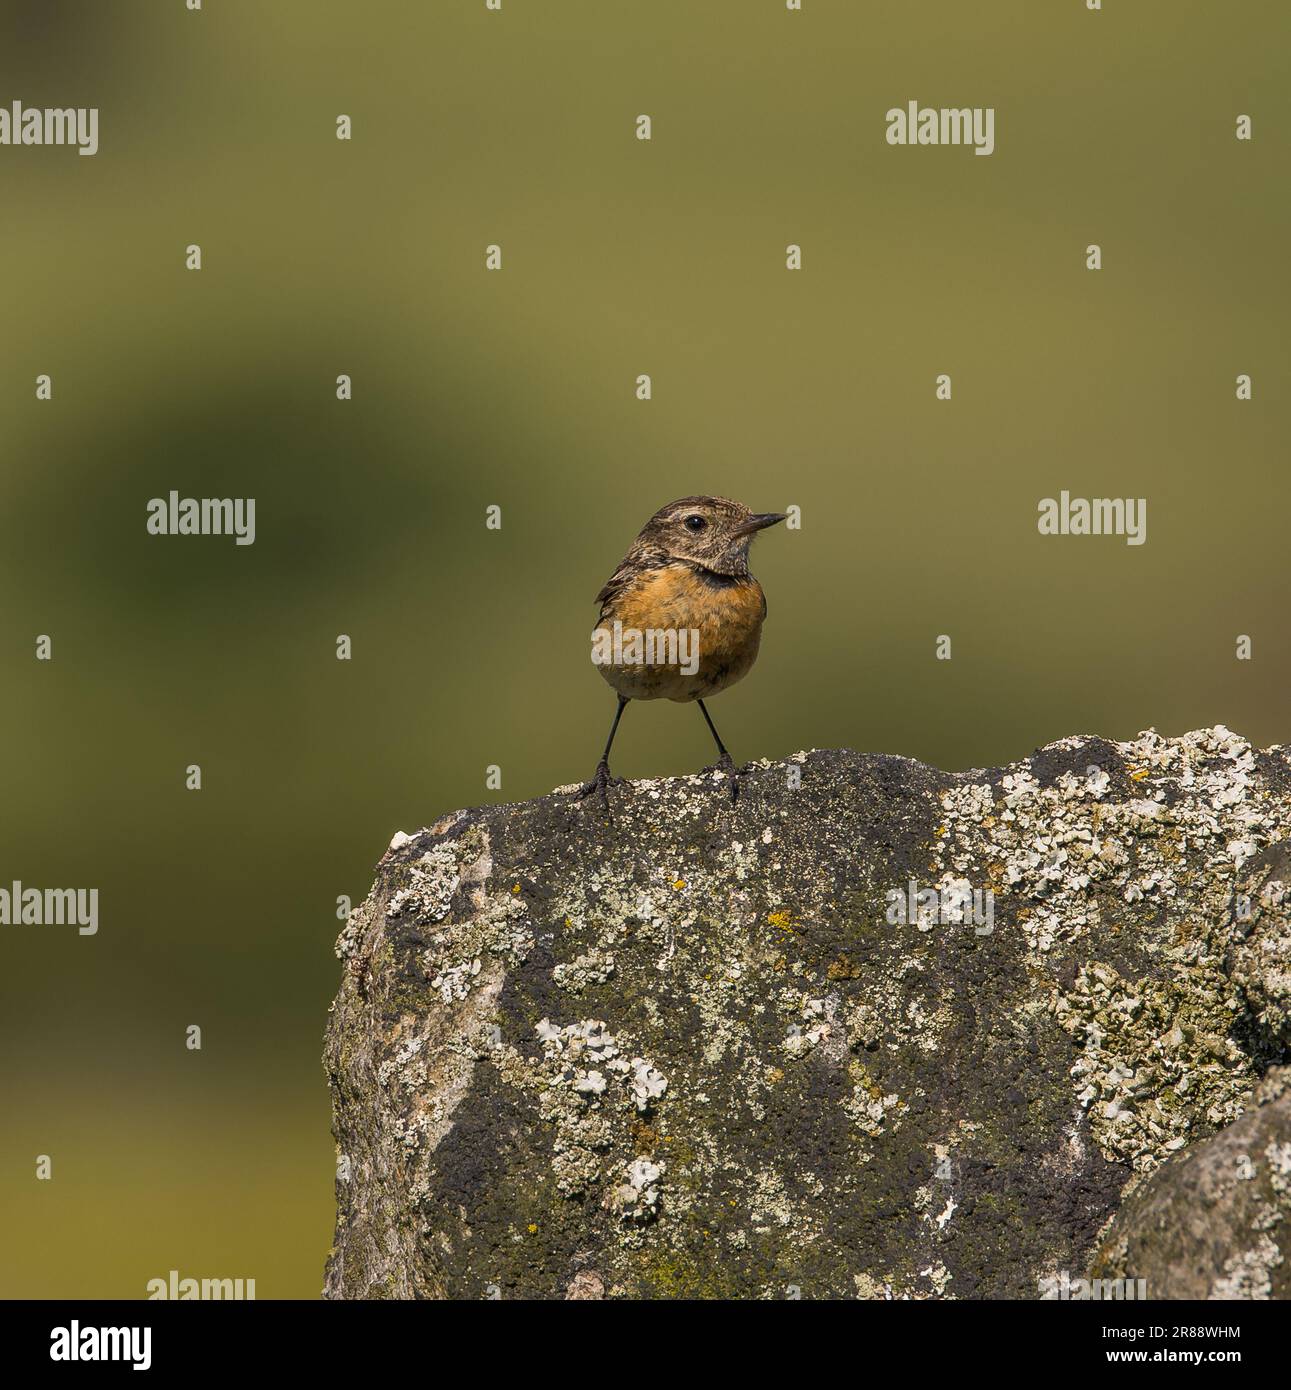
point(695, 523)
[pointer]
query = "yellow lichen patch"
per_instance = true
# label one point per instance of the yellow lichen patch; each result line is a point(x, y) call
point(1140, 773)
point(783, 920)
point(679, 884)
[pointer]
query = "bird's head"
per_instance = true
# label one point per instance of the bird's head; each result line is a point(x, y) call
point(712, 532)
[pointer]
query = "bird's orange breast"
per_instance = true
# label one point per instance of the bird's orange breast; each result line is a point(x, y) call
point(722, 620)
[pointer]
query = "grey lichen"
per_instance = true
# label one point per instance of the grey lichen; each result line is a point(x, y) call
point(684, 1051)
point(1215, 1222)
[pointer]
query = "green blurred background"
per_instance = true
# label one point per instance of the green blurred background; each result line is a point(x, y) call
point(517, 389)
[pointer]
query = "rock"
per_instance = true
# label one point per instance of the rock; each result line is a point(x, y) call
point(1215, 1222)
point(874, 1030)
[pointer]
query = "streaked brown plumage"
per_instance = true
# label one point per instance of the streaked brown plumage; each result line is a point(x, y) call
point(686, 574)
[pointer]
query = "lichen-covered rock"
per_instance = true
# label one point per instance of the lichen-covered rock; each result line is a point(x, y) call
point(873, 1030)
point(1214, 1222)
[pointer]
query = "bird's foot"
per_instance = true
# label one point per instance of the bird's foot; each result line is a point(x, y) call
point(599, 785)
point(726, 766)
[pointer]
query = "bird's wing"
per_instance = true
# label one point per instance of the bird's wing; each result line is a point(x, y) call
point(618, 583)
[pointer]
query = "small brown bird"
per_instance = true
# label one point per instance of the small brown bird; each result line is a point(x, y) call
point(681, 617)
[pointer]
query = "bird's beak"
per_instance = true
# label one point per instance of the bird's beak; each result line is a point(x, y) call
point(760, 521)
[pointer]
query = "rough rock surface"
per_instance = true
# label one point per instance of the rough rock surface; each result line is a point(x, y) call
point(704, 1049)
point(1215, 1222)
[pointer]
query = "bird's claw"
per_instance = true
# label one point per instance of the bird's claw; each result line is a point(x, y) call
point(726, 765)
point(599, 785)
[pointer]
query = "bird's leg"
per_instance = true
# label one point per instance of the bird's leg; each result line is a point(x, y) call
point(725, 763)
point(601, 779)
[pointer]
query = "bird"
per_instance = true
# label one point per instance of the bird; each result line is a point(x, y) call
point(681, 617)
